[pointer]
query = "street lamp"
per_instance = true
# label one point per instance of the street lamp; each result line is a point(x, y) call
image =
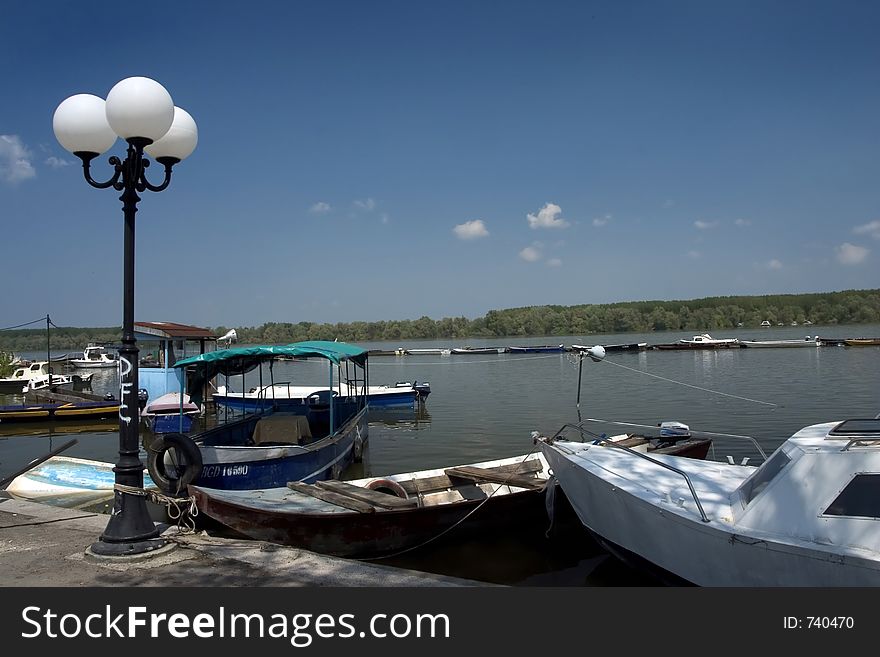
point(140, 111)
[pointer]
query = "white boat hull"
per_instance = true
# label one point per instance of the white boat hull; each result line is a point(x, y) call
point(675, 539)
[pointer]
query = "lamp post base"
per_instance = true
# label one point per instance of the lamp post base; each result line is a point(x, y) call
point(101, 550)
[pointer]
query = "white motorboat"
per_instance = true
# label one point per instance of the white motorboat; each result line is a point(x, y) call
point(94, 356)
point(50, 381)
point(808, 516)
point(38, 373)
point(704, 339)
point(808, 341)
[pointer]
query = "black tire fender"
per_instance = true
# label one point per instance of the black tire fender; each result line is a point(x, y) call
point(174, 461)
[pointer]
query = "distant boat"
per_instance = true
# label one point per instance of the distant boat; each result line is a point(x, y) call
point(862, 342)
point(479, 350)
point(806, 342)
point(766, 322)
point(428, 352)
point(542, 349)
point(702, 341)
point(94, 356)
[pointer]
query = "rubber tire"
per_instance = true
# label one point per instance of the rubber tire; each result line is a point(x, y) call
point(192, 457)
point(388, 486)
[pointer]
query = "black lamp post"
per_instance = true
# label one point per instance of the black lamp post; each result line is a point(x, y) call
point(140, 111)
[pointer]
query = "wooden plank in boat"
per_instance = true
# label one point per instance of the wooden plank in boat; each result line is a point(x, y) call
point(441, 482)
point(329, 496)
point(494, 476)
point(373, 497)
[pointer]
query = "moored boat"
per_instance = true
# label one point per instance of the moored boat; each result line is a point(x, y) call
point(68, 482)
point(861, 342)
point(94, 356)
point(478, 350)
point(807, 516)
point(702, 341)
point(285, 396)
point(315, 440)
point(382, 515)
point(537, 349)
point(806, 342)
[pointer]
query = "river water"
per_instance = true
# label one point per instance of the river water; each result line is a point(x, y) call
point(484, 407)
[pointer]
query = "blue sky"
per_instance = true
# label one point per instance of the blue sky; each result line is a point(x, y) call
point(388, 160)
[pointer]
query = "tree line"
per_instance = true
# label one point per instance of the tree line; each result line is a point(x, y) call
point(710, 313)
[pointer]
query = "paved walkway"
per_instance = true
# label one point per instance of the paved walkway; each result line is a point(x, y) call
point(46, 546)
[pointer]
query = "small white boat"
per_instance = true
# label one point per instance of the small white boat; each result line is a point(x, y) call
point(808, 516)
point(48, 381)
point(428, 352)
point(94, 356)
point(808, 341)
point(704, 339)
point(17, 383)
point(68, 482)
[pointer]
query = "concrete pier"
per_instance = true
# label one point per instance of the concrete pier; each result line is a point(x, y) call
point(42, 545)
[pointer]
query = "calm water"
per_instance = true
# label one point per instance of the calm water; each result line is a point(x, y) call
point(484, 407)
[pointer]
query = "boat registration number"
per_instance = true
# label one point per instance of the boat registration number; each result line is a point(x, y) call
point(224, 470)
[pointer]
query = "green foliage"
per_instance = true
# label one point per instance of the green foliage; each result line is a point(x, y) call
point(846, 307)
point(6, 366)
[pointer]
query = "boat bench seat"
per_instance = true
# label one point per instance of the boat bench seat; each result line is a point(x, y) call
point(282, 429)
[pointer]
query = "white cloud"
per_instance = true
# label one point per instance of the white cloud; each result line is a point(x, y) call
point(320, 208)
point(554, 262)
point(471, 230)
point(15, 160)
point(385, 218)
point(743, 222)
point(850, 254)
point(705, 225)
point(547, 217)
point(598, 222)
point(694, 254)
point(871, 228)
point(668, 203)
point(530, 254)
point(774, 264)
point(368, 204)
point(57, 162)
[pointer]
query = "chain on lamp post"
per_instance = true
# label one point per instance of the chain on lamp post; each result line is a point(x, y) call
point(140, 111)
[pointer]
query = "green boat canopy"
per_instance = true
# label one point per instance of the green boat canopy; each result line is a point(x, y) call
point(231, 362)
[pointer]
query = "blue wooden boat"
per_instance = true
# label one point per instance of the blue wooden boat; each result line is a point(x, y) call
point(309, 441)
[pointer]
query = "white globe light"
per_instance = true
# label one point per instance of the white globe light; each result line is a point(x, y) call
point(80, 125)
point(180, 140)
point(139, 107)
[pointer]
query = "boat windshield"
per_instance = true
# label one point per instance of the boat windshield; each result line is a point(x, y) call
point(761, 478)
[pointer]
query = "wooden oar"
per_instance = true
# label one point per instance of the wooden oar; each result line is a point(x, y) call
point(8, 480)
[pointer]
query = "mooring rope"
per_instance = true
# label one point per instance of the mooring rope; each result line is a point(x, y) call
point(182, 510)
point(687, 385)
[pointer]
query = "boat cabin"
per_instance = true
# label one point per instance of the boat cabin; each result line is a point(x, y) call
point(822, 484)
point(161, 345)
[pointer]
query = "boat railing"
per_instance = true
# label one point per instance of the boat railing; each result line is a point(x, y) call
point(693, 432)
point(606, 441)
